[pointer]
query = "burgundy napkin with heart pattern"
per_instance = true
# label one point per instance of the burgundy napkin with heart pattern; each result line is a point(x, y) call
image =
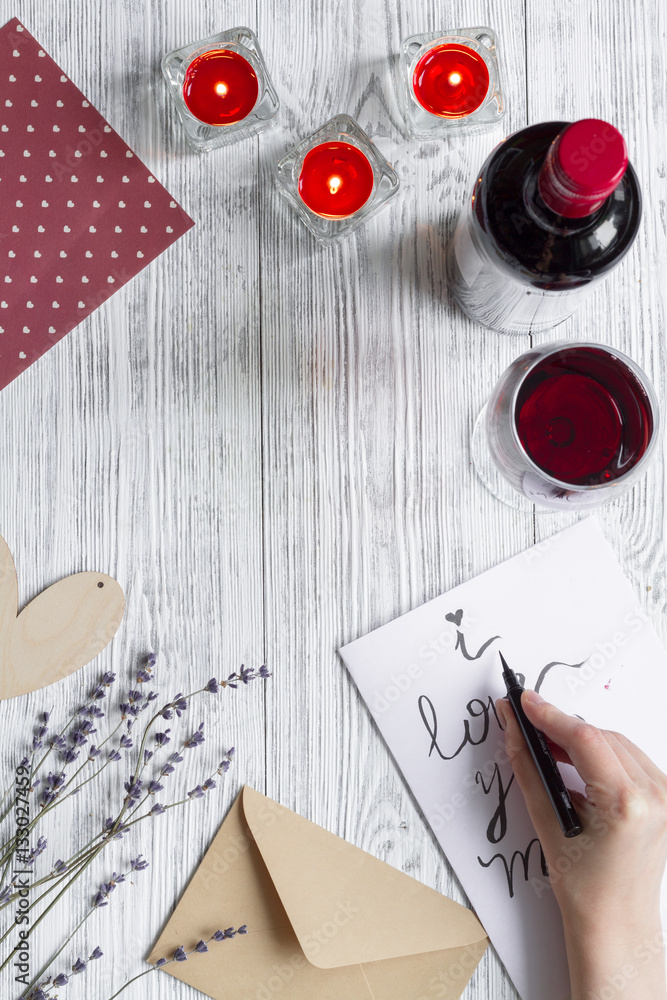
point(80, 214)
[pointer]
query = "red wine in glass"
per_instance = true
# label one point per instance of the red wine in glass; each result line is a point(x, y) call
point(572, 423)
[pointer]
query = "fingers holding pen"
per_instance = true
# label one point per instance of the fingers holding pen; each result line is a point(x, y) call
point(591, 754)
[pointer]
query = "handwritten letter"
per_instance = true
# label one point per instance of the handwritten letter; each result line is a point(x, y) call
point(568, 623)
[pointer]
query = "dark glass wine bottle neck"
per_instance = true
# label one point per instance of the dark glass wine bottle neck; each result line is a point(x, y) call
point(545, 217)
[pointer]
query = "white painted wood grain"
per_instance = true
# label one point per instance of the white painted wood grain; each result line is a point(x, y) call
point(266, 441)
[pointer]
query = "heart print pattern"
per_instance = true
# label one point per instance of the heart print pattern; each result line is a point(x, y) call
point(81, 214)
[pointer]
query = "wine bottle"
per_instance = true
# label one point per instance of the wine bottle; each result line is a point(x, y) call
point(555, 207)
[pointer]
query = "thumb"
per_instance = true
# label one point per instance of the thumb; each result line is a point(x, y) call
point(527, 776)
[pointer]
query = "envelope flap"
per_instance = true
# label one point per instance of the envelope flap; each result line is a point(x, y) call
point(345, 906)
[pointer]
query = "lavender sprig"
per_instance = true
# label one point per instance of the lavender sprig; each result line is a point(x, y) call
point(58, 784)
point(181, 955)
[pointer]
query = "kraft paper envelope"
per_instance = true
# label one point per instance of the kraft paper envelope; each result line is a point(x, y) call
point(326, 920)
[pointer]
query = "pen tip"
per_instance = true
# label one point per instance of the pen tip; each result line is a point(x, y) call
point(503, 661)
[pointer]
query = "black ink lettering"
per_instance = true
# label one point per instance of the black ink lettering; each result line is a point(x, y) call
point(430, 720)
point(499, 818)
point(461, 644)
point(509, 867)
point(555, 663)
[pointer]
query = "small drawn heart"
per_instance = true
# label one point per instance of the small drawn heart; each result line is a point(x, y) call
point(78, 153)
point(56, 129)
point(110, 280)
point(126, 180)
point(34, 104)
point(59, 104)
point(40, 229)
point(12, 78)
point(100, 180)
point(85, 104)
point(107, 128)
point(66, 229)
point(84, 279)
point(23, 179)
point(172, 204)
point(147, 204)
point(59, 279)
point(82, 128)
point(19, 204)
point(91, 229)
point(169, 229)
point(128, 153)
point(26, 329)
point(139, 253)
point(63, 79)
point(52, 329)
point(52, 153)
point(15, 229)
point(37, 253)
point(11, 254)
point(30, 128)
point(74, 179)
point(121, 204)
point(96, 204)
point(70, 204)
point(455, 618)
point(8, 104)
point(38, 79)
point(143, 229)
point(62, 253)
point(151, 180)
point(88, 253)
point(33, 279)
point(21, 353)
point(3, 305)
point(56, 305)
point(113, 253)
point(16, 52)
point(5, 128)
point(118, 229)
point(82, 305)
point(8, 279)
point(48, 178)
point(45, 204)
point(30, 305)
point(26, 152)
point(102, 152)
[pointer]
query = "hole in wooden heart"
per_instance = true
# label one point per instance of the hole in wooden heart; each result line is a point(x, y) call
point(100, 584)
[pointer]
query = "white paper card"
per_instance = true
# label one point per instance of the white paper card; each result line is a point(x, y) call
point(565, 617)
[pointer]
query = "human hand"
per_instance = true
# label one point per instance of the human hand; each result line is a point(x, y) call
point(606, 881)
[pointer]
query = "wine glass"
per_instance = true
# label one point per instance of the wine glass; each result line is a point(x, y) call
point(570, 425)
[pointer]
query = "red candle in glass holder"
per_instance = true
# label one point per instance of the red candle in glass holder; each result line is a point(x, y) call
point(336, 180)
point(451, 80)
point(220, 87)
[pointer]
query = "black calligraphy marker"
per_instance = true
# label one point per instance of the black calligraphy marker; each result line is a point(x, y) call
point(546, 766)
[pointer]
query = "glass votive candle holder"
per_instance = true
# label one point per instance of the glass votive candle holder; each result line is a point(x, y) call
point(336, 179)
point(451, 82)
point(221, 88)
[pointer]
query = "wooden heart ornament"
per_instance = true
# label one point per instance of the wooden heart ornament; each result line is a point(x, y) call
point(61, 630)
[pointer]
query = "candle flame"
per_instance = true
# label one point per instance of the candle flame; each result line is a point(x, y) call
point(335, 183)
point(221, 88)
point(455, 78)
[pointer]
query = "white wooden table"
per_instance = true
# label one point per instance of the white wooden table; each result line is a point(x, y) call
point(266, 442)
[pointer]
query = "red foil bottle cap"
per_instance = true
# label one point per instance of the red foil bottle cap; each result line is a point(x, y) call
point(584, 164)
